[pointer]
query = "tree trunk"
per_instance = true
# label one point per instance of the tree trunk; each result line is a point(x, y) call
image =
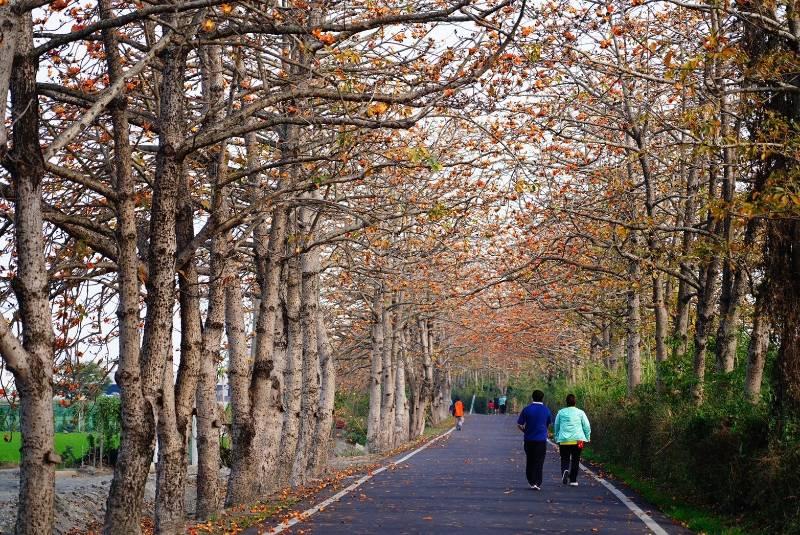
point(662, 320)
point(705, 299)
point(208, 423)
point(243, 479)
point(387, 379)
point(733, 288)
point(682, 314)
point(374, 431)
point(309, 310)
point(423, 385)
point(176, 408)
point(616, 348)
point(633, 328)
point(401, 418)
point(140, 388)
point(440, 407)
point(319, 454)
point(171, 466)
point(33, 372)
point(784, 263)
point(757, 351)
point(294, 371)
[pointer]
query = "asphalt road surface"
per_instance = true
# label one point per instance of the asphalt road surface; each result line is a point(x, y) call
point(473, 481)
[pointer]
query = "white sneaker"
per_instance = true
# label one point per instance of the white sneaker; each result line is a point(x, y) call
point(535, 487)
point(573, 484)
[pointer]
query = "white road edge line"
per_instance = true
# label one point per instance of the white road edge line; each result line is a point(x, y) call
point(347, 490)
point(644, 517)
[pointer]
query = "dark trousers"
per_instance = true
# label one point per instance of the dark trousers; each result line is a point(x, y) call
point(534, 461)
point(570, 457)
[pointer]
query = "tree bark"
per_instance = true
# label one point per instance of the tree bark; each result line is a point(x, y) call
point(309, 310)
point(633, 326)
point(705, 298)
point(616, 347)
point(208, 422)
point(294, 371)
point(682, 314)
point(374, 431)
point(243, 479)
point(31, 364)
point(319, 454)
point(387, 379)
point(422, 397)
point(757, 350)
point(401, 418)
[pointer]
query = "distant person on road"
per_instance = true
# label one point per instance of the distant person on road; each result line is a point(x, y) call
point(491, 406)
point(457, 409)
point(496, 405)
point(571, 430)
point(534, 421)
point(502, 402)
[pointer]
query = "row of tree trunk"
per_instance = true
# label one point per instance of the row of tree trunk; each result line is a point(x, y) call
point(408, 382)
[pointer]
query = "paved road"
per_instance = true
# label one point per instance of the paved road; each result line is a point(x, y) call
point(474, 482)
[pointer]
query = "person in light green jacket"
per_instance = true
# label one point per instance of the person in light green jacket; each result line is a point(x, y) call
point(571, 430)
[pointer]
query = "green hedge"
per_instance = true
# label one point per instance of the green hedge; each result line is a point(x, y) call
point(71, 447)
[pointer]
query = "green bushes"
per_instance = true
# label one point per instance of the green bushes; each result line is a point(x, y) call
point(721, 455)
point(350, 411)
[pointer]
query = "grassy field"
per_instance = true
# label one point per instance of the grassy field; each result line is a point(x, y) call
point(10, 445)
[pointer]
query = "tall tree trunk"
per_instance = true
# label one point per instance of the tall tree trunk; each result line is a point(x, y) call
point(733, 282)
point(387, 379)
point(706, 298)
point(682, 314)
point(176, 407)
point(294, 371)
point(243, 479)
point(31, 364)
point(401, 418)
point(757, 350)
point(633, 324)
point(662, 319)
point(422, 398)
point(140, 409)
point(374, 430)
point(731, 301)
point(616, 347)
point(171, 466)
point(309, 310)
point(208, 421)
point(319, 454)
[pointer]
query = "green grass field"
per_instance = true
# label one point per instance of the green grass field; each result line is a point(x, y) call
point(10, 444)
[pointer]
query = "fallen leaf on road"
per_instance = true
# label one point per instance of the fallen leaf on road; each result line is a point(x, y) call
point(427, 518)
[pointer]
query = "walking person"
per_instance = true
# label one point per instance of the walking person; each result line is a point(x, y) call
point(457, 409)
point(534, 421)
point(491, 406)
point(502, 402)
point(571, 430)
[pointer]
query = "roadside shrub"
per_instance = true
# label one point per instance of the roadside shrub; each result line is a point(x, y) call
point(721, 454)
point(352, 408)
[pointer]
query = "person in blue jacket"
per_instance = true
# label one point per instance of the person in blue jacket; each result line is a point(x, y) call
point(571, 430)
point(534, 421)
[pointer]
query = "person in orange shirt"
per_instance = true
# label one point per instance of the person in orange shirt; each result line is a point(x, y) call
point(457, 409)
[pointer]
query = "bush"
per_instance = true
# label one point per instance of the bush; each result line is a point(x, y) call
point(721, 455)
point(352, 408)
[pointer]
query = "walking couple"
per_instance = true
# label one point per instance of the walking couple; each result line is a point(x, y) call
point(570, 430)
